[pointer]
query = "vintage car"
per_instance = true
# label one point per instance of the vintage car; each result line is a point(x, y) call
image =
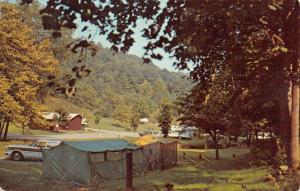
point(31, 151)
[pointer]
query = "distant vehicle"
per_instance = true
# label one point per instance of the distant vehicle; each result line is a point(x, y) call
point(153, 133)
point(174, 131)
point(182, 132)
point(262, 135)
point(185, 134)
point(174, 134)
point(31, 151)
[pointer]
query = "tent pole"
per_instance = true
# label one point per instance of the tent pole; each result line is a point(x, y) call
point(129, 186)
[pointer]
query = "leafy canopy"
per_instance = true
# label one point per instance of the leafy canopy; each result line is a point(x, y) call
point(24, 63)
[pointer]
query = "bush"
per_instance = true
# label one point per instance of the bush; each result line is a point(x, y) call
point(267, 152)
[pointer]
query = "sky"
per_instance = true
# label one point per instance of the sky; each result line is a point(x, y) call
point(136, 49)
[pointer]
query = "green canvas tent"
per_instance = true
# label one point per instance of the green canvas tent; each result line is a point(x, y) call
point(86, 161)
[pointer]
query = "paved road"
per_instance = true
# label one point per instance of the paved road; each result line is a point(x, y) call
point(96, 134)
point(25, 137)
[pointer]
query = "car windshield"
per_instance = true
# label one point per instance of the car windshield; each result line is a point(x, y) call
point(42, 144)
point(38, 144)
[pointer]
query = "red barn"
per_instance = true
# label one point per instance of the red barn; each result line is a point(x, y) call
point(74, 123)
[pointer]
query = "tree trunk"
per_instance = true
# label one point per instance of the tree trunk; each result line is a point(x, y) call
point(1, 128)
point(293, 161)
point(294, 142)
point(289, 97)
point(6, 130)
point(215, 140)
point(256, 134)
point(248, 140)
point(285, 116)
point(238, 121)
point(217, 152)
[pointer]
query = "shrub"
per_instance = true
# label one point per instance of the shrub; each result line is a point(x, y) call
point(267, 152)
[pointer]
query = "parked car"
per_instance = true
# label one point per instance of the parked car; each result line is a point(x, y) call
point(186, 134)
point(174, 133)
point(31, 151)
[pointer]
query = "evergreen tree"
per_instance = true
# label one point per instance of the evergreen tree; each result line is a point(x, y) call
point(165, 118)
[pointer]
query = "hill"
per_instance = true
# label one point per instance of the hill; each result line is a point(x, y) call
point(119, 81)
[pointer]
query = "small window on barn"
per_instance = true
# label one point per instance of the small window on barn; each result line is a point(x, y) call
point(97, 157)
point(115, 155)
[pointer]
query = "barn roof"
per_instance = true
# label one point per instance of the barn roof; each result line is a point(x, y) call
point(101, 145)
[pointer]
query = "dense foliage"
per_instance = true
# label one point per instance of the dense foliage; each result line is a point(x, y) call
point(117, 80)
point(165, 117)
point(24, 64)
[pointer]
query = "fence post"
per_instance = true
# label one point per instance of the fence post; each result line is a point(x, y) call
point(129, 171)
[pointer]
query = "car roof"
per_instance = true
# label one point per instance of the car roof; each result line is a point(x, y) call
point(49, 141)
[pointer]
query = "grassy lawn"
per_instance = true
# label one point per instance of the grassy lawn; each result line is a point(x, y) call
point(18, 130)
point(115, 125)
point(226, 174)
point(105, 124)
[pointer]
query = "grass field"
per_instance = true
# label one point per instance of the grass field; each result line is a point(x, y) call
point(104, 124)
point(226, 174)
point(18, 130)
point(114, 125)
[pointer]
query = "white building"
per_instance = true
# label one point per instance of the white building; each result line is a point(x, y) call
point(144, 120)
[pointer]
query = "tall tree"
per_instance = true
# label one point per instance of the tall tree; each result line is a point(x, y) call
point(165, 118)
point(24, 64)
point(122, 114)
point(207, 109)
point(135, 117)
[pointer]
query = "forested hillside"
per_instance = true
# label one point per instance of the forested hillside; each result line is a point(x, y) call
point(119, 82)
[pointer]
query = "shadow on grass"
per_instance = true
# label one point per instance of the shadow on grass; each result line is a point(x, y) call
point(117, 125)
point(226, 174)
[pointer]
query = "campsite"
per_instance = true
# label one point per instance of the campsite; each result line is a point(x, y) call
point(234, 173)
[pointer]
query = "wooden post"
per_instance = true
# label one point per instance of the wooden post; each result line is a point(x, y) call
point(129, 186)
point(176, 153)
